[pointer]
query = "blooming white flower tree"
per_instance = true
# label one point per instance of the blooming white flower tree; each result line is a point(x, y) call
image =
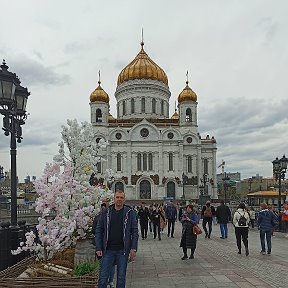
point(66, 200)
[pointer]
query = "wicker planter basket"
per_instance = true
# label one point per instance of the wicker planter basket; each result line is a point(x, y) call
point(8, 277)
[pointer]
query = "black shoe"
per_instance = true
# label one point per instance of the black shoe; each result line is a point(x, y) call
point(159, 239)
point(247, 252)
point(206, 236)
point(184, 257)
point(143, 238)
point(209, 236)
point(191, 256)
point(172, 236)
point(239, 252)
point(168, 235)
point(222, 237)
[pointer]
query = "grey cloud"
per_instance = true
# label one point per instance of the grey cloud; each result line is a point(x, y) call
point(269, 28)
point(32, 72)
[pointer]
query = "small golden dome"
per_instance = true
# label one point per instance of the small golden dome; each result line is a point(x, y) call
point(175, 115)
point(110, 117)
point(99, 95)
point(142, 67)
point(187, 94)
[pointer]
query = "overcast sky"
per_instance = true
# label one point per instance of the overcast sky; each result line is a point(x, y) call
point(236, 52)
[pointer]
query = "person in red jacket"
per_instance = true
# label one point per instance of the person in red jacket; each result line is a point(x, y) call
point(284, 219)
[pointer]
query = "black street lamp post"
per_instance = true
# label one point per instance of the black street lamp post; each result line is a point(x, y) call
point(13, 99)
point(279, 171)
point(225, 184)
point(184, 182)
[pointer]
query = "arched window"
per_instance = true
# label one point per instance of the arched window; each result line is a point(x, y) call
point(162, 107)
point(150, 162)
point(119, 186)
point(153, 105)
point(171, 189)
point(189, 164)
point(139, 162)
point(98, 115)
point(132, 105)
point(188, 115)
point(205, 166)
point(145, 189)
point(124, 107)
point(143, 105)
point(144, 162)
point(170, 164)
point(98, 166)
point(118, 162)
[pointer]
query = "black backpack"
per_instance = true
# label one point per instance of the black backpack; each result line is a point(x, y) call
point(242, 220)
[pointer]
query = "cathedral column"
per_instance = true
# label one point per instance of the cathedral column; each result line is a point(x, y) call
point(199, 167)
point(129, 161)
point(181, 164)
point(160, 162)
point(109, 157)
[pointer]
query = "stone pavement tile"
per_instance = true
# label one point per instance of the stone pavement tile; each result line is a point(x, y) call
point(207, 279)
point(255, 281)
point(191, 285)
point(244, 285)
point(222, 278)
point(236, 278)
point(220, 285)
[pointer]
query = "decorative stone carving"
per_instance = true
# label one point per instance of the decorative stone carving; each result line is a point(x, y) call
point(155, 179)
point(125, 179)
point(134, 179)
point(177, 180)
point(164, 180)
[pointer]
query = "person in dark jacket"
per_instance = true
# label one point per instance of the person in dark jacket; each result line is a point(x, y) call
point(208, 211)
point(266, 219)
point(143, 215)
point(223, 215)
point(171, 216)
point(156, 215)
point(188, 239)
point(116, 239)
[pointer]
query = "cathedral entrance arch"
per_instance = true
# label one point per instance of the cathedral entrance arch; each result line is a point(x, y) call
point(171, 190)
point(145, 189)
point(119, 186)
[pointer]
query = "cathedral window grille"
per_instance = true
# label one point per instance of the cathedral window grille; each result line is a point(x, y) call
point(189, 164)
point(153, 105)
point(124, 107)
point(98, 167)
point(205, 166)
point(188, 115)
point(132, 106)
point(162, 107)
point(98, 115)
point(143, 105)
point(170, 162)
point(139, 162)
point(118, 162)
point(150, 162)
point(144, 162)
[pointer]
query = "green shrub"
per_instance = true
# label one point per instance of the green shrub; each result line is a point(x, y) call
point(86, 268)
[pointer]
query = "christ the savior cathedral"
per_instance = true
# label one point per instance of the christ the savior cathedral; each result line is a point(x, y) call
point(154, 156)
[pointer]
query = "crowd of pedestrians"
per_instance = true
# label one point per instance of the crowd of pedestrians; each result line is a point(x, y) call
point(116, 230)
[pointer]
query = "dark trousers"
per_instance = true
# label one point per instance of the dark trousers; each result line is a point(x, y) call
point(185, 251)
point(171, 222)
point(241, 233)
point(252, 221)
point(204, 224)
point(144, 228)
point(156, 228)
point(266, 234)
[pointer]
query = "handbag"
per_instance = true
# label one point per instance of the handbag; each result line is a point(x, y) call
point(196, 230)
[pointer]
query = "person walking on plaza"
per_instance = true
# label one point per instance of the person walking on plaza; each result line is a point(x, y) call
point(266, 221)
point(143, 215)
point(116, 239)
point(207, 214)
point(252, 216)
point(223, 215)
point(284, 219)
point(241, 220)
point(188, 239)
point(156, 215)
point(163, 221)
point(150, 209)
point(171, 216)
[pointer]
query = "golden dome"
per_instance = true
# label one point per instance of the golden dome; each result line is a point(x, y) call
point(99, 95)
point(187, 94)
point(110, 117)
point(142, 67)
point(175, 115)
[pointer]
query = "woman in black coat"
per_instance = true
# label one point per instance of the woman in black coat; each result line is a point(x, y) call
point(188, 239)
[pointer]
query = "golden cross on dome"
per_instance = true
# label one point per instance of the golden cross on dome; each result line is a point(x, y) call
point(142, 37)
point(99, 81)
point(187, 81)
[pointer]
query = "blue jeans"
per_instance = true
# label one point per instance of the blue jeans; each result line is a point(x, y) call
point(268, 234)
point(109, 259)
point(111, 275)
point(224, 230)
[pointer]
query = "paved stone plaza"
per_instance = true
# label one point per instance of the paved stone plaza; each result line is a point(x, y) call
point(216, 263)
